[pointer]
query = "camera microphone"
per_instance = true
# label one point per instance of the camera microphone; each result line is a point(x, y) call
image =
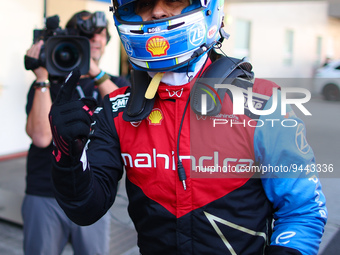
point(52, 23)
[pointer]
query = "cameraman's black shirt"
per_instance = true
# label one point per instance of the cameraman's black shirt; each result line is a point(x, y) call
point(39, 164)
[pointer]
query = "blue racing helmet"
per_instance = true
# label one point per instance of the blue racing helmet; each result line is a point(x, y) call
point(170, 43)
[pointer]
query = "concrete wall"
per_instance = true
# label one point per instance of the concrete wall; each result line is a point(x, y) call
point(18, 19)
point(269, 21)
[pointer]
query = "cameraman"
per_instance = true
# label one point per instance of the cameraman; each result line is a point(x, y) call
point(46, 227)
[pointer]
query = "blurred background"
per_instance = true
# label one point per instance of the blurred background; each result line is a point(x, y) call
point(286, 41)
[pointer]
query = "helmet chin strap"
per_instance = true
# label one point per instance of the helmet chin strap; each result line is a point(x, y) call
point(153, 86)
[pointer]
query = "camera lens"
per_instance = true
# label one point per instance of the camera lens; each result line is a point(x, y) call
point(65, 52)
point(66, 56)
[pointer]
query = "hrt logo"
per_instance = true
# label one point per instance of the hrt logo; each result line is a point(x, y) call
point(246, 99)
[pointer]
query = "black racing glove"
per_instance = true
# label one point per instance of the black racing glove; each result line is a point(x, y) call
point(70, 122)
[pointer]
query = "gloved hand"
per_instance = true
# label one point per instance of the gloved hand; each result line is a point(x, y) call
point(70, 122)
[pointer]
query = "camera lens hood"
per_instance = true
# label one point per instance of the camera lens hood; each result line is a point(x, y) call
point(64, 53)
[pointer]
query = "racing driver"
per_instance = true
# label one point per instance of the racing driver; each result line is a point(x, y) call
point(192, 183)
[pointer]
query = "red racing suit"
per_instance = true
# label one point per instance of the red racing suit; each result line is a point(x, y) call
point(217, 213)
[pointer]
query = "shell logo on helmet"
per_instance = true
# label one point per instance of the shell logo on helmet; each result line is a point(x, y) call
point(157, 46)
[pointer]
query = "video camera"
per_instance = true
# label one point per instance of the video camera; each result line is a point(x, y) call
point(63, 50)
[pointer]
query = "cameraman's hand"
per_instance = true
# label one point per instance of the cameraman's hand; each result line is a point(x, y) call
point(70, 122)
point(33, 53)
point(105, 87)
point(94, 68)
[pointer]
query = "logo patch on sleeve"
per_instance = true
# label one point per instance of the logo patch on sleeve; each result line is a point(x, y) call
point(119, 101)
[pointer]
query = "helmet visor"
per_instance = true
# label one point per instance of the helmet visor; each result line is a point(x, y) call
point(120, 3)
point(126, 10)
